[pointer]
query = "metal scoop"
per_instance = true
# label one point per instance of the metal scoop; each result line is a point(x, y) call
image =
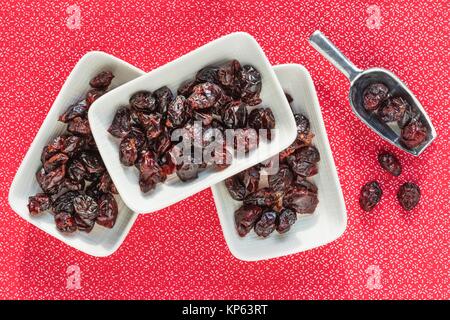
point(359, 80)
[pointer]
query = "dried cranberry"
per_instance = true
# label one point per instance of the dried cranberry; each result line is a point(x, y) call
point(281, 180)
point(250, 82)
point(128, 150)
point(370, 195)
point(121, 123)
point(152, 123)
point(150, 173)
point(390, 163)
point(302, 124)
point(55, 161)
point(205, 118)
point(245, 218)
point(301, 199)
point(374, 95)
point(79, 126)
point(102, 80)
point(187, 171)
point(207, 74)
point(65, 222)
point(411, 114)
point(286, 220)
point(186, 88)
point(243, 184)
point(267, 224)
point(228, 76)
point(163, 97)
point(92, 162)
point(178, 113)
point(413, 134)
point(408, 195)
point(263, 197)
point(262, 118)
point(105, 184)
point(48, 181)
point(162, 143)
point(107, 210)
point(245, 140)
point(393, 109)
point(93, 95)
point(235, 115)
point(204, 96)
point(143, 101)
point(304, 161)
point(73, 144)
point(65, 202)
point(78, 109)
point(86, 212)
point(38, 203)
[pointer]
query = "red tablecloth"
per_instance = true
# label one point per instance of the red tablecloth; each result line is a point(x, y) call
point(180, 252)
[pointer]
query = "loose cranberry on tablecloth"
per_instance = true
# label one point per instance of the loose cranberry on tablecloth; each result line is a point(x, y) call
point(180, 252)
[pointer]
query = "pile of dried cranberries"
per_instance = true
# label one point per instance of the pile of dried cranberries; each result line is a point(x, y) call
point(396, 109)
point(77, 189)
point(218, 99)
point(408, 194)
point(288, 192)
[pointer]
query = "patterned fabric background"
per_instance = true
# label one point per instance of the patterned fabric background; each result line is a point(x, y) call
point(180, 252)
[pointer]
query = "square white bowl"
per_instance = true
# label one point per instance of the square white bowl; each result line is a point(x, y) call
point(100, 241)
point(240, 46)
point(329, 220)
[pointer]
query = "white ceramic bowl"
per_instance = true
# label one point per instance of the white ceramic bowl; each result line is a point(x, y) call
point(100, 241)
point(239, 46)
point(328, 221)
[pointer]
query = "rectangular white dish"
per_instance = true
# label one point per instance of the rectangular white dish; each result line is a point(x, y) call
point(100, 241)
point(240, 46)
point(310, 231)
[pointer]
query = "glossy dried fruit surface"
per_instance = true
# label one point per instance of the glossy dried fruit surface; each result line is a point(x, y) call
point(107, 210)
point(251, 84)
point(262, 118)
point(393, 109)
point(265, 197)
point(163, 97)
point(408, 195)
point(281, 180)
point(390, 163)
point(267, 224)
point(79, 126)
point(102, 80)
point(304, 161)
point(93, 95)
point(286, 219)
point(38, 204)
point(85, 212)
point(301, 200)
point(243, 184)
point(121, 124)
point(374, 95)
point(245, 218)
point(49, 180)
point(204, 96)
point(65, 222)
point(370, 195)
point(143, 101)
point(76, 110)
point(234, 115)
point(150, 173)
point(178, 113)
point(413, 134)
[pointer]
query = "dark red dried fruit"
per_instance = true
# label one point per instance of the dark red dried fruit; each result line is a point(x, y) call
point(76, 170)
point(78, 109)
point(105, 184)
point(393, 109)
point(102, 80)
point(370, 195)
point(245, 218)
point(262, 118)
point(49, 181)
point(38, 203)
point(243, 184)
point(92, 162)
point(186, 88)
point(245, 140)
point(162, 143)
point(304, 161)
point(121, 124)
point(390, 163)
point(150, 173)
point(205, 118)
point(107, 210)
point(152, 123)
point(79, 126)
point(65, 222)
point(286, 219)
point(178, 113)
point(187, 171)
point(204, 96)
point(86, 212)
point(408, 195)
point(413, 134)
point(267, 224)
point(234, 115)
point(207, 74)
point(163, 97)
point(55, 161)
point(281, 180)
point(128, 150)
point(374, 95)
point(410, 114)
point(143, 101)
point(265, 197)
point(65, 202)
point(93, 95)
point(251, 84)
point(228, 77)
point(301, 199)
point(302, 124)
point(73, 144)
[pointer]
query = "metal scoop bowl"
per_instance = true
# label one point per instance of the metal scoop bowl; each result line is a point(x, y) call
point(359, 80)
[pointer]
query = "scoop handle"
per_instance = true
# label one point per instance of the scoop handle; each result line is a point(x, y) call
point(322, 44)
